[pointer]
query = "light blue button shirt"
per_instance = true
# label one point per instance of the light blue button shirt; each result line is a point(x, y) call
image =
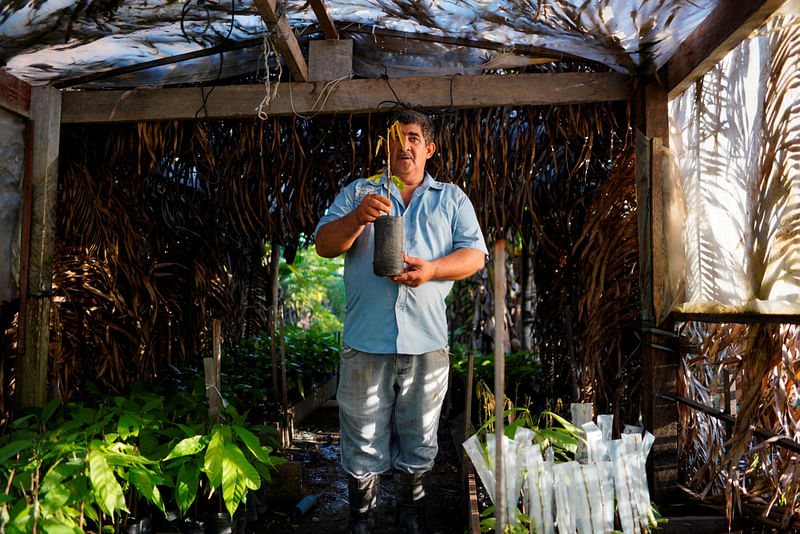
point(384, 317)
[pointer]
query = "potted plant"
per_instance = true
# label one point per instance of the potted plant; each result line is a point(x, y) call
point(387, 257)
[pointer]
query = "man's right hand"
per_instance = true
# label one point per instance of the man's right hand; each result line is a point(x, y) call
point(371, 207)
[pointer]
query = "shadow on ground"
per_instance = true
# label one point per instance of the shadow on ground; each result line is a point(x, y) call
point(316, 447)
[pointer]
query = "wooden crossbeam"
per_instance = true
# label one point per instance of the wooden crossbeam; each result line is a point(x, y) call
point(324, 18)
point(286, 42)
point(15, 94)
point(727, 26)
point(348, 96)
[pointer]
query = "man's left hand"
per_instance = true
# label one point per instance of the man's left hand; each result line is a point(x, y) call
point(416, 273)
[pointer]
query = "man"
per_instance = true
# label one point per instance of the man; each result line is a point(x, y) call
point(395, 362)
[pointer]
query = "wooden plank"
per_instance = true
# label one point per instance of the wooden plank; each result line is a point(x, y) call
point(474, 519)
point(285, 41)
point(32, 364)
point(330, 60)
point(729, 24)
point(15, 95)
point(324, 18)
point(347, 96)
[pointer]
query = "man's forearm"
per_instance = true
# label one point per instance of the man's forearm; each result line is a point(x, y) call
point(336, 237)
point(459, 264)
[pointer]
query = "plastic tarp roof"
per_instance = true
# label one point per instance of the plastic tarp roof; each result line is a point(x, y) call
point(43, 41)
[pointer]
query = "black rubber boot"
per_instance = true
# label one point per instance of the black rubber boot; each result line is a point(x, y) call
point(410, 492)
point(363, 495)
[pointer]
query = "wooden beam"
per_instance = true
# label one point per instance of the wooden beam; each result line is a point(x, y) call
point(729, 24)
point(659, 367)
point(324, 18)
point(32, 363)
point(286, 42)
point(347, 96)
point(15, 95)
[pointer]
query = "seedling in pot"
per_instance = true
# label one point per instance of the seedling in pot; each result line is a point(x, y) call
point(393, 131)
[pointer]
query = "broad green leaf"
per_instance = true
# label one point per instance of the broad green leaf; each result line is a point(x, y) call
point(558, 439)
point(52, 525)
point(11, 450)
point(144, 481)
point(128, 426)
point(253, 444)
point(50, 409)
point(148, 441)
point(186, 487)
point(237, 476)
point(572, 429)
point(157, 402)
point(107, 490)
point(57, 474)
point(214, 456)
point(55, 498)
point(186, 447)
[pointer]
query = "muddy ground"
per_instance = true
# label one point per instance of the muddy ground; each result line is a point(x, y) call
point(316, 448)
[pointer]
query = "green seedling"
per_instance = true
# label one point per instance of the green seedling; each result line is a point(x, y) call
point(393, 131)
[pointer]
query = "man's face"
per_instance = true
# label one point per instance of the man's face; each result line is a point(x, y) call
point(411, 159)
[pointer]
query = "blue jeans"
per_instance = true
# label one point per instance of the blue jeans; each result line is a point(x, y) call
point(389, 407)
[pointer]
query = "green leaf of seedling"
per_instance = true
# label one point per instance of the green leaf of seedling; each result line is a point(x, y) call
point(572, 429)
point(53, 525)
point(398, 183)
point(186, 487)
point(58, 474)
point(238, 475)
point(186, 447)
point(375, 178)
point(558, 438)
point(50, 409)
point(213, 464)
point(107, 490)
point(253, 444)
point(54, 499)
point(128, 426)
point(13, 448)
point(145, 481)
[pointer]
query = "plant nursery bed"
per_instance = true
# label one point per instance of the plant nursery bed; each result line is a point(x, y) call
point(316, 448)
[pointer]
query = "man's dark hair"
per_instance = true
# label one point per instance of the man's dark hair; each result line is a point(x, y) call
point(409, 116)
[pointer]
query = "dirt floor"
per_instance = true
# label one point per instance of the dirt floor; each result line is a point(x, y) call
point(316, 450)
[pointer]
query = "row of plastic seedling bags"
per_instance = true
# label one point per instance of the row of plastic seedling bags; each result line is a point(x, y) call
point(605, 489)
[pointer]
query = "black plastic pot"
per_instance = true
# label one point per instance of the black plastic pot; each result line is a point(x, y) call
point(388, 255)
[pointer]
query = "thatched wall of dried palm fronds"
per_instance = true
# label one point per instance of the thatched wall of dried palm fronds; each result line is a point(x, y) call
point(750, 372)
point(558, 180)
point(161, 228)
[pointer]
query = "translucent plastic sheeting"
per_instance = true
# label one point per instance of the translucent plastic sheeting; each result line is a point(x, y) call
point(12, 154)
point(737, 179)
point(572, 496)
point(539, 492)
point(580, 414)
point(626, 35)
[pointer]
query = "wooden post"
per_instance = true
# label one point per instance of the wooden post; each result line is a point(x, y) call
point(34, 333)
point(212, 368)
point(659, 367)
point(274, 265)
point(499, 377)
point(287, 426)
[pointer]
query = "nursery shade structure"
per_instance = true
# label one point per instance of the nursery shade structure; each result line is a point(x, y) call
point(113, 61)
